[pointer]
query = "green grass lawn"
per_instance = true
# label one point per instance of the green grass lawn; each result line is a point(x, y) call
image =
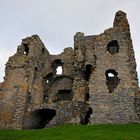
point(76, 132)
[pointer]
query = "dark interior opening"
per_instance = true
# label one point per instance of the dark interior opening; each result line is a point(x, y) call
point(29, 97)
point(45, 97)
point(48, 79)
point(86, 117)
point(64, 95)
point(87, 97)
point(112, 79)
point(95, 60)
point(88, 72)
point(39, 118)
point(113, 47)
point(26, 49)
point(36, 75)
point(43, 50)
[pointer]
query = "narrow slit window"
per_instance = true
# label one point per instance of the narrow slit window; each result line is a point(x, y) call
point(43, 50)
point(88, 72)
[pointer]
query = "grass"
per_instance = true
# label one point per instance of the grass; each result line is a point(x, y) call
point(76, 132)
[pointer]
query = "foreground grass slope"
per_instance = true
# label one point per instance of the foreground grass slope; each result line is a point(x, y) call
point(76, 132)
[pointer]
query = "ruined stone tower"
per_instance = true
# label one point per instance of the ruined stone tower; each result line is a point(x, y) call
point(98, 83)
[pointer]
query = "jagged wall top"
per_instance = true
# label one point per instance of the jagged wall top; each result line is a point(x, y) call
point(32, 84)
point(121, 20)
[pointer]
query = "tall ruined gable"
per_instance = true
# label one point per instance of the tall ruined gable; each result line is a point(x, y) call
point(97, 83)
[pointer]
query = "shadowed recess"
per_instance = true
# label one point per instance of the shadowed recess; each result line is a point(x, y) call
point(38, 119)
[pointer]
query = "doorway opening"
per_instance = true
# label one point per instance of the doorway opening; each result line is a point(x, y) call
point(86, 118)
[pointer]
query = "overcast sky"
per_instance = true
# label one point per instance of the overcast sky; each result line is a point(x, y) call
point(56, 22)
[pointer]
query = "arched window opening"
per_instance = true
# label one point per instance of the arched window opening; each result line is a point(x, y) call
point(57, 66)
point(86, 118)
point(88, 72)
point(59, 70)
point(113, 47)
point(39, 119)
point(26, 49)
point(112, 80)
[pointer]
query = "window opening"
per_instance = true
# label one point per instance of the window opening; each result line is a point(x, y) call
point(86, 118)
point(57, 66)
point(88, 72)
point(95, 60)
point(113, 47)
point(43, 50)
point(47, 81)
point(112, 79)
point(45, 97)
point(87, 97)
point(29, 97)
point(59, 70)
point(26, 49)
point(36, 75)
point(111, 75)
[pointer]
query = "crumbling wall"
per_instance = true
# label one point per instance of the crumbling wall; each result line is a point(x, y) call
point(22, 86)
point(105, 74)
point(96, 82)
point(113, 85)
point(59, 86)
point(31, 80)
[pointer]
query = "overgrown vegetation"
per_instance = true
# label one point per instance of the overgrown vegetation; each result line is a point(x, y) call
point(76, 132)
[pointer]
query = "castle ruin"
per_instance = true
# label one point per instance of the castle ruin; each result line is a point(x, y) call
point(98, 83)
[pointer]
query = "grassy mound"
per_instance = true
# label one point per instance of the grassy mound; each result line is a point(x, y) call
point(76, 132)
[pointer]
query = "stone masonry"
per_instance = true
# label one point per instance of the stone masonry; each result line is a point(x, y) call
point(98, 83)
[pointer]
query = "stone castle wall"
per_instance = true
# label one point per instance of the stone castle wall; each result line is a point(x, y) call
point(98, 83)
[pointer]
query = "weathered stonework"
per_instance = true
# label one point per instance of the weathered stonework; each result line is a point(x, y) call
point(98, 83)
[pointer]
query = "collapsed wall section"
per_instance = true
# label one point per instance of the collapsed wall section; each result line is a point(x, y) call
point(105, 74)
point(96, 82)
point(22, 86)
